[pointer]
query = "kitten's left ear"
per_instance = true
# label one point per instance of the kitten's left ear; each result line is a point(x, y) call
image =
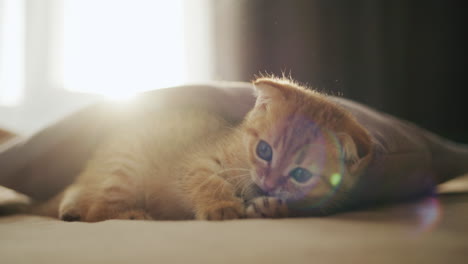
point(269, 90)
point(348, 147)
point(356, 151)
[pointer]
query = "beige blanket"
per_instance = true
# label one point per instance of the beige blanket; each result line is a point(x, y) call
point(432, 230)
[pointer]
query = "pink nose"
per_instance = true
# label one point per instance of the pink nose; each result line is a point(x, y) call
point(269, 185)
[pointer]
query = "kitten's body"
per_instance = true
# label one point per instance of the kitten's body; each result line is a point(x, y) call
point(188, 163)
point(137, 169)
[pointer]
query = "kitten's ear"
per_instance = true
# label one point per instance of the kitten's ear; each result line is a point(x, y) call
point(348, 147)
point(355, 151)
point(268, 90)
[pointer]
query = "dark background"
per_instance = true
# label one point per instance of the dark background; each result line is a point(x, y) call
point(406, 58)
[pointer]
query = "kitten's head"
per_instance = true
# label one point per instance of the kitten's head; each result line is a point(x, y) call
point(300, 144)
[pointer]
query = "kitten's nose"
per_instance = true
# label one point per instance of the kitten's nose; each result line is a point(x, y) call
point(268, 186)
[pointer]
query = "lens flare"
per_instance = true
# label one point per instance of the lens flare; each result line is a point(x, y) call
point(335, 179)
point(429, 214)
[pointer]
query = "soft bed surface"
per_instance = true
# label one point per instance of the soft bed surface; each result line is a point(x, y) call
point(430, 230)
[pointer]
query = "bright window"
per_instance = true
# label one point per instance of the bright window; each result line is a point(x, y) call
point(119, 47)
point(11, 51)
point(50, 49)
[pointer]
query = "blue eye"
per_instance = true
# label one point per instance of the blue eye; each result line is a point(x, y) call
point(300, 175)
point(264, 150)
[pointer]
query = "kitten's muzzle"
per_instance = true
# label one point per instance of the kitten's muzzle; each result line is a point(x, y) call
point(271, 187)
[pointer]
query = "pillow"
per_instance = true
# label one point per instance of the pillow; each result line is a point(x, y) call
point(407, 162)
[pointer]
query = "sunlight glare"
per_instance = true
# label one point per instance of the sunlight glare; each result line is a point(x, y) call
point(118, 48)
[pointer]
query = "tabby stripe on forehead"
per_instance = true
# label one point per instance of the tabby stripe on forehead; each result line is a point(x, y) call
point(301, 156)
point(286, 138)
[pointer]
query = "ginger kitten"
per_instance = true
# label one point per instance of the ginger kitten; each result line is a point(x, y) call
point(295, 153)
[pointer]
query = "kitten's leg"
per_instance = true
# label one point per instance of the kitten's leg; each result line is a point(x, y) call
point(98, 203)
point(213, 197)
point(267, 207)
point(70, 208)
point(102, 210)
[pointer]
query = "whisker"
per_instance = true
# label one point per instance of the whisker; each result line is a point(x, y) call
point(238, 179)
point(247, 190)
point(207, 179)
point(220, 189)
point(241, 182)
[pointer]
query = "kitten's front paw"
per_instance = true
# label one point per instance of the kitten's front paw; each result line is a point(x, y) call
point(267, 207)
point(70, 208)
point(70, 216)
point(226, 212)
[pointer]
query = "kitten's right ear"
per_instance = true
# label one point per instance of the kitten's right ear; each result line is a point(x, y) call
point(267, 90)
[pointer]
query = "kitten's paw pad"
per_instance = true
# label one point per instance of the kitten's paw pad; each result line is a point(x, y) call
point(223, 213)
point(69, 217)
point(134, 215)
point(267, 207)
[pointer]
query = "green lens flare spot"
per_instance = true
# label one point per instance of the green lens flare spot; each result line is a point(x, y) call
point(335, 179)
